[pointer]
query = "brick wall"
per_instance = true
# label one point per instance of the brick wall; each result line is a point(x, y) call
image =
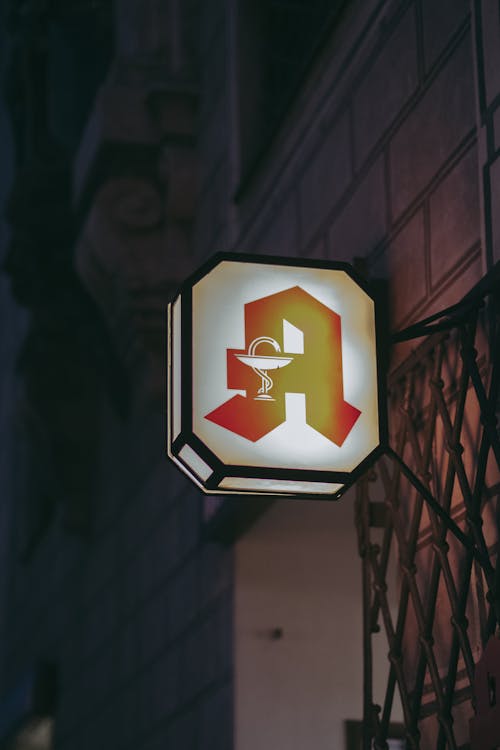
point(379, 157)
point(382, 163)
point(487, 40)
point(149, 650)
point(137, 618)
point(213, 214)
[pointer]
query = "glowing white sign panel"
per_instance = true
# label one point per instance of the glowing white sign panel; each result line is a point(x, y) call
point(273, 384)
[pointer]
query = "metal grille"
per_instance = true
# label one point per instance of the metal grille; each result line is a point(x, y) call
point(427, 520)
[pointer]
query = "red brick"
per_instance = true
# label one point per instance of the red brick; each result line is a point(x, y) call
point(495, 201)
point(491, 37)
point(427, 138)
point(387, 86)
point(440, 20)
point(452, 290)
point(317, 249)
point(496, 127)
point(406, 269)
point(361, 225)
point(454, 216)
point(325, 179)
point(281, 236)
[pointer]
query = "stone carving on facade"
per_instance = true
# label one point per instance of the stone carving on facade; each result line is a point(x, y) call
point(134, 246)
point(66, 356)
point(125, 203)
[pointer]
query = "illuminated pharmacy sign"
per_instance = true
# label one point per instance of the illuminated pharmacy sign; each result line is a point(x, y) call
point(273, 383)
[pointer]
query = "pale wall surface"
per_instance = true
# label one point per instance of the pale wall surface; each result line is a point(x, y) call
point(298, 570)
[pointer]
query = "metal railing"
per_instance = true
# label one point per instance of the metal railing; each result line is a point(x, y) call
point(427, 522)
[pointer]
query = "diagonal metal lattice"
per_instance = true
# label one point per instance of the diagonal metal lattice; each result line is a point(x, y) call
point(427, 521)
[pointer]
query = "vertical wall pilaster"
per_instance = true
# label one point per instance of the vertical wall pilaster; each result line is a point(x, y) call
point(486, 16)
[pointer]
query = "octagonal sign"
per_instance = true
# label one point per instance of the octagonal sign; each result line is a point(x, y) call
point(273, 377)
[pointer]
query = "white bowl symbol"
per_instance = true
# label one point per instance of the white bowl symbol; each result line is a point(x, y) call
point(261, 363)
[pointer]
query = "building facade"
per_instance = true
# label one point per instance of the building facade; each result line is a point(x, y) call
point(139, 139)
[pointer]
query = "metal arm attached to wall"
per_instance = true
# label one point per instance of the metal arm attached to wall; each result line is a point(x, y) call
point(445, 462)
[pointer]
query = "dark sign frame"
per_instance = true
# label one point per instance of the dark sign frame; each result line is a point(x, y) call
point(187, 437)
